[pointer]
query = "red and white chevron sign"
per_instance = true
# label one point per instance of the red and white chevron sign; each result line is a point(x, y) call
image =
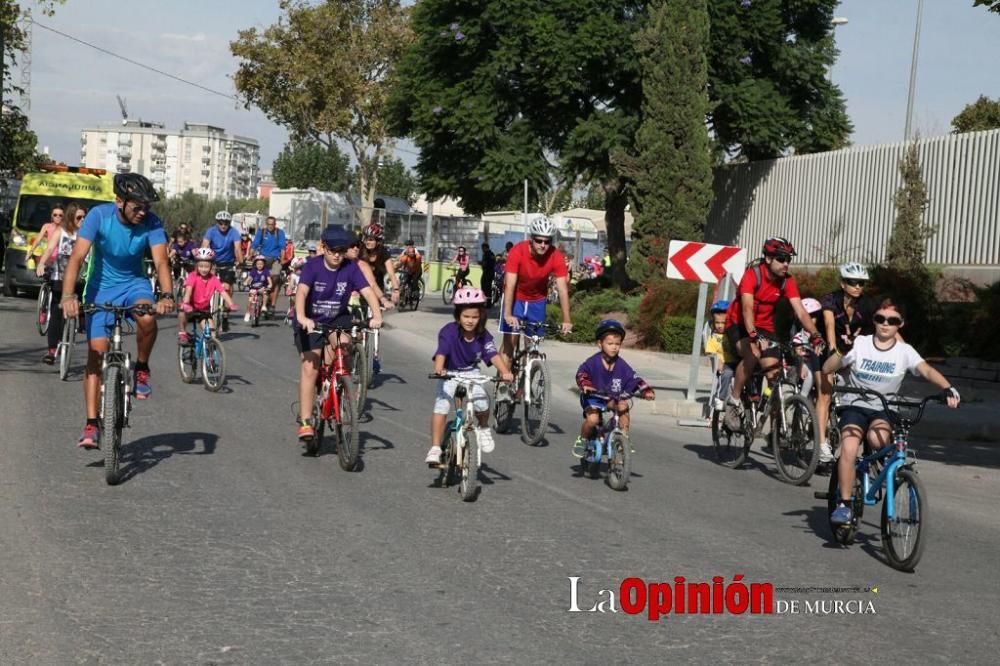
point(701, 262)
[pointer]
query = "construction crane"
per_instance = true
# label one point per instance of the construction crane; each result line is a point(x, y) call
point(121, 105)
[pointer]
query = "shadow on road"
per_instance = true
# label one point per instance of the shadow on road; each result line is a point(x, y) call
point(24, 359)
point(386, 378)
point(971, 453)
point(366, 437)
point(143, 454)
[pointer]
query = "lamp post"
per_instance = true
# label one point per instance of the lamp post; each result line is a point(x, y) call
point(913, 72)
point(836, 21)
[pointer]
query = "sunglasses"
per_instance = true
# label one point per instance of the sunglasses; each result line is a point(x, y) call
point(891, 321)
point(79, 216)
point(336, 250)
point(783, 258)
point(542, 241)
point(855, 283)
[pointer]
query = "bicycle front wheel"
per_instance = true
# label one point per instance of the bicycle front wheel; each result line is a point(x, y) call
point(844, 534)
point(371, 351)
point(359, 375)
point(44, 298)
point(795, 444)
point(346, 427)
point(315, 445)
point(468, 485)
point(903, 534)
point(729, 448)
point(66, 347)
point(112, 420)
point(619, 460)
point(213, 365)
point(537, 409)
point(448, 291)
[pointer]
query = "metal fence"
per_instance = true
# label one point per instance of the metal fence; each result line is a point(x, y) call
point(839, 206)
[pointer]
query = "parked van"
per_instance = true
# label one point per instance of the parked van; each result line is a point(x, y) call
point(55, 185)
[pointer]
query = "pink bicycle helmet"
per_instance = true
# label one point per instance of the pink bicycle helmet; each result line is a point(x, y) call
point(298, 262)
point(260, 257)
point(811, 305)
point(470, 296)
point(204, 254)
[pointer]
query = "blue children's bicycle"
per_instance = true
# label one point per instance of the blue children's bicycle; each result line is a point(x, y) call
point(609, 444)
point(891, 473)
point(204, 350)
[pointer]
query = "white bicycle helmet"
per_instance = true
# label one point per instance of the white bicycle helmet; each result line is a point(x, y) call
point(852, 270)
point(811, 305)
point(541, 226)
point(470, 296)
point(204, 254)
point(223, 216)
point(298, 262)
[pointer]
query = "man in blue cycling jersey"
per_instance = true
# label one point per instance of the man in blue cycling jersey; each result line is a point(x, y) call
point(269, 242)
point(120, 234)
point(225, 241)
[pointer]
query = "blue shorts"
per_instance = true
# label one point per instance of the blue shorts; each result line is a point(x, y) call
point(589, 402)
point(531, 311)
point(861, 417)
point(100, 323)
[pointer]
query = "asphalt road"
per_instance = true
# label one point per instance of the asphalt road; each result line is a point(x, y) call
point(226, 545)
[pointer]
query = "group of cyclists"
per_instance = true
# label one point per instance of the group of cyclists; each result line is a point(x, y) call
point(844, 332)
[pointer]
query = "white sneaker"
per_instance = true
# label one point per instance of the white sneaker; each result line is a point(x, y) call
point(485, 439)
point(719, 404)
point(825, 452)
point(433, 456)
point(246, 317)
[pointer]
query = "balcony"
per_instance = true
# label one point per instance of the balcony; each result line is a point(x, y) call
point(124, 141)
point(206, 148)
point(124, 153)
point(158, 167)
point(123, 167)
point(206, 171)
point(158, 145)
point(206, 159)
point(83, 139)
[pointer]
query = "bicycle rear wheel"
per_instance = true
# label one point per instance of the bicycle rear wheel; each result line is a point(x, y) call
point(537, 409)
point(44, 299)
point(346, 427)
point(903, 535)
point(213, 365)
point(619, 460)
point(844, 534)
point(448, 291)
point(468, 485)
point(66, 347)
point(729, 446)
point(795, 445)
point(315, 445)
point(112, 420)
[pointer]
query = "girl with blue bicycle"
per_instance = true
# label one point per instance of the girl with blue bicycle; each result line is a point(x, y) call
point(878, 363)
point(199, 286)
point(606, 372)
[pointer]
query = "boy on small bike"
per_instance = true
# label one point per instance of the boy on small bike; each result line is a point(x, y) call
point(877, 363)
point(607, 372)
point(726, 359)
point(257, 281)
point(462, 344)
point(199, 286)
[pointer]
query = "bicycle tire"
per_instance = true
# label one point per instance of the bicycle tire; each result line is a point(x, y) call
point(844, 534)
point(729, 450)
point(503, 414)
point(112, 420)
point(44, 299)
point(186, 362)
point(216, 305)
point(346, 427)
point(538, 410)
point(619, 460)
point(213, 365)
point(370, 353)
point(315, 445)
point(255, 314)
point(448, 291)
point(796, 446)
point(468, 485)
point(914, 499)
point(66, 347)
point(359, 375)
point(448, 470)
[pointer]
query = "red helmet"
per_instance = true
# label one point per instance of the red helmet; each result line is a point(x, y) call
point(374, 230)
point(778, 245)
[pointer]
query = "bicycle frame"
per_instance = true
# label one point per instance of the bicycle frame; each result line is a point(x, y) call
point(329, 372)
point(532, 352)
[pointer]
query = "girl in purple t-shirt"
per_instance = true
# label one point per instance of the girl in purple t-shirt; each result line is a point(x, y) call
point(462, 344)
point(606, 372)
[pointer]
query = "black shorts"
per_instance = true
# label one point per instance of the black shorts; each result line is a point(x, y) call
point(738, 332)
point(859, 416)
point(313, 341)
point(226, 273)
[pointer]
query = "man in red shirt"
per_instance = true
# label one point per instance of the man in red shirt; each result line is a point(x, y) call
point(529, 265)
point(750, 318)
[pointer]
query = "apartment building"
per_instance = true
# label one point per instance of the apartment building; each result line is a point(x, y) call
point(200, 157)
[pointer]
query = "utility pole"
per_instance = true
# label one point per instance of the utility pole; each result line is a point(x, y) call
point(913, 72)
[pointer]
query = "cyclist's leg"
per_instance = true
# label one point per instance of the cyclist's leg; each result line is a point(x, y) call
point(824, 396)
point(748, 353)
point(623, 415)
point(854, 422)
point(443, 400)
point(308, 346)
point(879, 431)
point(276, 279)
point(54, 334)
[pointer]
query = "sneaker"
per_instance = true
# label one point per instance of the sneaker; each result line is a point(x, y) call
point(91, 438)
point(50, 357)
point(842, 515)
point(433, 456)
point(377, 365)
point(719, 404)
point(246, 317)
point(485, 439)
point(183, 338)
point(142, 387)
point(825, 452)
point(306, 431)
point(580, 447)
point(734, 415)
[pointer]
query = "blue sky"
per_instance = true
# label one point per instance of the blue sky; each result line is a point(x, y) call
point(74, 86)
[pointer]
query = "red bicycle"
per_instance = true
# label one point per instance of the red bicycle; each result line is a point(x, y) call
point(334, 402)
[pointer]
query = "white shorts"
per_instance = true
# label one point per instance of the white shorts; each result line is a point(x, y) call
point(446, 394)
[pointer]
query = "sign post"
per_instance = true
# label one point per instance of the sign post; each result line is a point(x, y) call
point(702, 263)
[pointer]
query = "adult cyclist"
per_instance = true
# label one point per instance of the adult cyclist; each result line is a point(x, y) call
point(119, 233)
point(269, 242)
point(225, 242)
point(528, 268)
point(750, 318)
point(411, 265)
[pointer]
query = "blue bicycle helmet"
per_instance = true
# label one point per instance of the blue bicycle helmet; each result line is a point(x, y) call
point(720, 305)
point(609, 326)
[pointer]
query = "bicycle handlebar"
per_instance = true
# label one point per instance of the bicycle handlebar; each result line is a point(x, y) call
point(475, 379)
point(919, 405)
point(138, 308)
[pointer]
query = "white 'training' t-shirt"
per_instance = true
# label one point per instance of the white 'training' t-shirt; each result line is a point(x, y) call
point(878, 370)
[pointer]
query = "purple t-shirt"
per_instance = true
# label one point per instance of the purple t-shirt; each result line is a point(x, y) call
point(621, 378)
point(258, 279)
point(330, 290)
point(461, 354)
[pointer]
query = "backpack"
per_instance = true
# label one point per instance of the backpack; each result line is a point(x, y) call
point(760, 280)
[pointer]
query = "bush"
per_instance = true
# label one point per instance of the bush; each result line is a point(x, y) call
point(662, 299)
point(985, 322)
point(915, 291)
point(677, 333)
point(590, 307)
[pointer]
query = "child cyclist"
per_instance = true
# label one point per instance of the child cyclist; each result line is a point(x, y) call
point(291, 284)
point(199, 286)
point(321, 299)
point(606, 372)
point(462, 344)
point(257, 281)
point(725, 358)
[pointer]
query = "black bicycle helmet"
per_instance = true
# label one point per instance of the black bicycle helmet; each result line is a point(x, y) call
point(609, 326)
point(134, 187)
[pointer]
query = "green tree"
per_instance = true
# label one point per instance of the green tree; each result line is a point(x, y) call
point(983, 114)
point(905, 251)
point(305, 164)
point(992, 5)
point(322, 72)
point(395, 180)
point(673, 170)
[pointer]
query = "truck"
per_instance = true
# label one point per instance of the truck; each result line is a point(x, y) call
point(54, 185)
